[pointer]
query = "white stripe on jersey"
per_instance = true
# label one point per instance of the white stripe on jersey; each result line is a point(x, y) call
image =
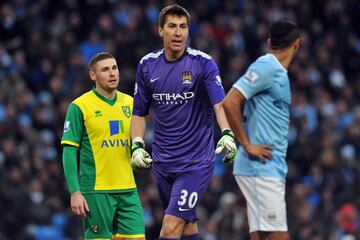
point(151, 55)
point(198, 52)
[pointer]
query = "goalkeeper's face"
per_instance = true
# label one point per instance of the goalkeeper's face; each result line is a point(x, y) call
point(106, 74)
point(174, 33)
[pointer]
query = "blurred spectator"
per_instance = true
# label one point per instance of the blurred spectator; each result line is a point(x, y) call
point(44, 49)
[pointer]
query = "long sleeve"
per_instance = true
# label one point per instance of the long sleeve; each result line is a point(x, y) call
point(70, 167)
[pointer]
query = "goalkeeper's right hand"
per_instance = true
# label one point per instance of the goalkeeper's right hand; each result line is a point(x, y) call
point(139, 157)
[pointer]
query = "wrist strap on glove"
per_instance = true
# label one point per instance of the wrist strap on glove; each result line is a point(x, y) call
point(137, 143)
point(228, 132)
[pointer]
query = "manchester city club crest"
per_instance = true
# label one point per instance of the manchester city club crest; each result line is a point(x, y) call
point(126, 110)
point(186, 77)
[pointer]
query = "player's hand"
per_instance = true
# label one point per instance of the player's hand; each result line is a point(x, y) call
point(227, 144)
point(139, 157)
point(262, 152)
point(78, 204)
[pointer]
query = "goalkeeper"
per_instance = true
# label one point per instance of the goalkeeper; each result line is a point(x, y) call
point(183, 88)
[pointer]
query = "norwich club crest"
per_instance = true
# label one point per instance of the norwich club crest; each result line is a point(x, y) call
point(186, 77)
point(126, 110)
point(94, 228)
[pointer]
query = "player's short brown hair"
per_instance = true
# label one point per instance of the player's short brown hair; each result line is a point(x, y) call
point(173, 9)
point(98, 57)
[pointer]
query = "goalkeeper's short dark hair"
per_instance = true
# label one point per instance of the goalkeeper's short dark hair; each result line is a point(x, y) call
point(283, 33)
point(173, 9)
point(98, 57)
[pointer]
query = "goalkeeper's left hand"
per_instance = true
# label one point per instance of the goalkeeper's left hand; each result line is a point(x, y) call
point(227, 143)
point(140, 158)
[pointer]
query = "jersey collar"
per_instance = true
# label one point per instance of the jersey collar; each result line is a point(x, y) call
point(108, 101)
point(177, 60)
point(277, 61)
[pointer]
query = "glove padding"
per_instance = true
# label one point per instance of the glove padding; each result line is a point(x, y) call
point(139, 157)
point(227, 144)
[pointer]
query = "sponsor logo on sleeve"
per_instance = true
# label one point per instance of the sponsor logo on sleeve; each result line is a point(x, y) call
point(218, 80)
point(66, 126)
point(250, 77)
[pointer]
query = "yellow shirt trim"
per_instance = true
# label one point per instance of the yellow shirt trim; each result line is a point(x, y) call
point(69, 143)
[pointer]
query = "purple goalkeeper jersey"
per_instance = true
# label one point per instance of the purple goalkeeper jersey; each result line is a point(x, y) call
point(181, 95)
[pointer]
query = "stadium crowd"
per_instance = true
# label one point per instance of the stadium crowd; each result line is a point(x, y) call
point(44, 51)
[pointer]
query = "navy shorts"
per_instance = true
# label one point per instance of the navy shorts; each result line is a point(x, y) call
point(180, 193)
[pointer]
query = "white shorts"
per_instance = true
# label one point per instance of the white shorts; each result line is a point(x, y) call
point(265, 200)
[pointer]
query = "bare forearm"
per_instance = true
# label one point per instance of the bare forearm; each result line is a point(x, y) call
point(220, 116)
point(232, 105)
point(137, 127)
point(236, 125)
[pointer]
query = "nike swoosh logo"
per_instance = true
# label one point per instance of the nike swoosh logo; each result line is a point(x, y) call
point(184, 209)
point(154, 79)
point(280, 83)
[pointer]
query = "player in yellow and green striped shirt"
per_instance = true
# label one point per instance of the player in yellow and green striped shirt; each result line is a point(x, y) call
point(97, 125)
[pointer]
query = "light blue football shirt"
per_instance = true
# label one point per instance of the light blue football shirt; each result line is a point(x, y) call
point(266, 87)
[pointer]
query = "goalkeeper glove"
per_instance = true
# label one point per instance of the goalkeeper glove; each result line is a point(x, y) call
point(227, 144)
point(139, 157)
